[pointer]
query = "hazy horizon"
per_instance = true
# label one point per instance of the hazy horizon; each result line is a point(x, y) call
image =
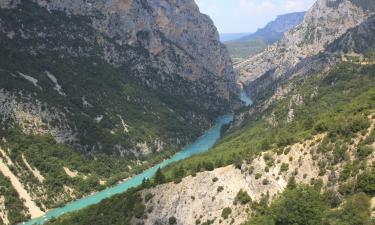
point(230, 16)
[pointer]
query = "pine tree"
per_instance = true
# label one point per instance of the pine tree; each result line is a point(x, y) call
point(159, 177)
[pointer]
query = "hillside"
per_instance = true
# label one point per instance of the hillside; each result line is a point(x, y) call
point(306, 48)
point(302, 154)
point(328, 143)
point(94, 92)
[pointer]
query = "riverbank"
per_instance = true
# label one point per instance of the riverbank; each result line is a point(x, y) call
point(203, 143)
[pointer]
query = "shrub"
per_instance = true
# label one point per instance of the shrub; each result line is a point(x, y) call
point(284, 167)
point(300, 206)
point(331, 198)
point(366, 182)
point(172, 220)
point(257, 176)
point(220, 189)
point(251, 170)
point(265, 182)
point(356, 211)
point(292, 184)
point(346, 171)
point(363, 151)
point(148, 197)
point(226, 212)
point(215, 179)
point(242, 197)
point(159, 177)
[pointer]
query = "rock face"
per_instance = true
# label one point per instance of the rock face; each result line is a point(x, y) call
point(205, 196)
point(122, 64)
point(275, 30)
point(161, 27)
point(323, 24)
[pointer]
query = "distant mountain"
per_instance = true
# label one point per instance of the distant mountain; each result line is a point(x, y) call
point(274, 30)
point(251, 44)
point(232, 36)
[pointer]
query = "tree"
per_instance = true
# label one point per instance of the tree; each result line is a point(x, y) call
point(159, 177)
point(366, 182)
point(356, 210)
point(226, 212)
point(179, 172)
point(242, 197)
point(172, 220)
point(299, 206)
point(291, 183)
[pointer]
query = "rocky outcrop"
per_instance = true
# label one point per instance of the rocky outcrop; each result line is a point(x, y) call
point(179, 39)
point(33, 117)
point(110, 73)
point(203, 197)
point(302, 47)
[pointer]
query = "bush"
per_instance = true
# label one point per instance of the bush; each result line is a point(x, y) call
point(301, 205)
point(257, 176)
point(159, 177)
point(356, 211)
point(366, 182)
point(172, 220)
point(331, 198)
point(226, 212)
point(363, 151)
point(242, 197)
point(284, 167)
point(148, 197)
point(346, 171)
point(251, 170)
point(220, 189)
point(265, 182)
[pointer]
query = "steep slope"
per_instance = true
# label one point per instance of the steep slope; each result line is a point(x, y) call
point(328, 143)
point(145, 47)
point(323, 24)
point(249, 45)
point(93, 92)
point(302, 154)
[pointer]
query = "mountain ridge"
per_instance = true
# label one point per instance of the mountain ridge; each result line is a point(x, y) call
point(254, 43)
point(275, 29)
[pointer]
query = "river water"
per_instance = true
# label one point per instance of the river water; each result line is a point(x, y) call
point(206, 141)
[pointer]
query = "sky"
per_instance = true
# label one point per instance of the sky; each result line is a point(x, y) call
point(237, 16)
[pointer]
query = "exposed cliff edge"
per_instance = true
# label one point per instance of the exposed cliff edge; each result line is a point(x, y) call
point(166, 48)
point(323, 24)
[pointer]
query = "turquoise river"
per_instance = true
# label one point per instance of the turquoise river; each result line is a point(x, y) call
point(206, 141)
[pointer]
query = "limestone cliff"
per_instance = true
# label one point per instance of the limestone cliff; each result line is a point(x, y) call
point(158, 60)
point(323, 24)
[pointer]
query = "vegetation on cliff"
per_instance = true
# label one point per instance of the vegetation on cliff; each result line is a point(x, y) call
point(339, 104)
